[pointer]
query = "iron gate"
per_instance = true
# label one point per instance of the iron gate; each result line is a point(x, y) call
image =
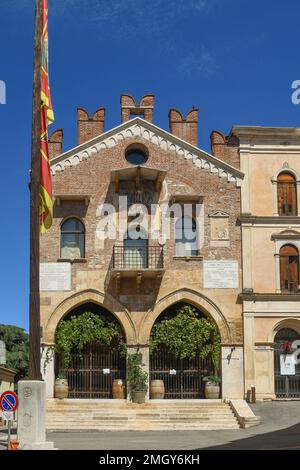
point(86, 374)
point(188, 382)
point(286, 386)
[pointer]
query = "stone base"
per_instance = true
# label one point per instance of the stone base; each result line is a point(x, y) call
point(32, 416)
point(244, 414)
point(38, 446)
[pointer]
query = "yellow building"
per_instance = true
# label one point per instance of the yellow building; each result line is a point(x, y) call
point(270, 209)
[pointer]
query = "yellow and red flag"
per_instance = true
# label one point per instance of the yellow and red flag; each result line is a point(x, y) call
point(47, 117)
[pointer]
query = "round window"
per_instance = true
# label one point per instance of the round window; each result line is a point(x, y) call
point(136, 157)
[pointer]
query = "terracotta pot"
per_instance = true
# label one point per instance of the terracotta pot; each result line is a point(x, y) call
point(118, 389)
point(138, 396)
point(14, 445)
point(212, 390)
point(157, 389)
point(61, 389)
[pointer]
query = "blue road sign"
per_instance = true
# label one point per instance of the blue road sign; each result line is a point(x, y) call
point(9, 401)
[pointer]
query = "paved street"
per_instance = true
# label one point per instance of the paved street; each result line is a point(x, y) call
point(280, 429)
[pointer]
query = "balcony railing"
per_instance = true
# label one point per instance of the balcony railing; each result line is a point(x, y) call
point(137, 257)
point(289, 286)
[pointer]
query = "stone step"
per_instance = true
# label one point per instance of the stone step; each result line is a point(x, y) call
point(141, 415)
point(146, 427)
point(137, 408)
point(130, 406)
point(124, 403)
point(154, 415)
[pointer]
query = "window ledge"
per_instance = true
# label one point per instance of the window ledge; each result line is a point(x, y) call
point(188, 258)
point(70, 260)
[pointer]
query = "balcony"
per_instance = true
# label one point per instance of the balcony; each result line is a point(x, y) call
point(137, 262)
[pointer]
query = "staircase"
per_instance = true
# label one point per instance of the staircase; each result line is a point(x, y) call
point(156, 415)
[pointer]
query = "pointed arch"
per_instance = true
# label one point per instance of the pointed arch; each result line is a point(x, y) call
point(97, 297)
point(200, 301)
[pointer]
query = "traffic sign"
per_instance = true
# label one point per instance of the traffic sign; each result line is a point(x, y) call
point(7, 415)
point(9, 401)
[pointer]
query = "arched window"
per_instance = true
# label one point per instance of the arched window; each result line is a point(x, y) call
point(289, 268)
point(72, 244)
point(136, 249)
point(186, 237)
point(287, 194)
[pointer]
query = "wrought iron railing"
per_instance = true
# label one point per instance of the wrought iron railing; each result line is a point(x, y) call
point(137, 257)
point(183, 378)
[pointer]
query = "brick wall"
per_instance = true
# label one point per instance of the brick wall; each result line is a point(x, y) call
point(225, 148)
point(89, 126)
point(92, 177)
point(184, 128)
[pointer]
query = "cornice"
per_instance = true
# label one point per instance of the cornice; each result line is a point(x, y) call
point(286, 235)
point(268, 140)
point(270, 297)
point(272, 220)
point(260, 131)
point(140, 128)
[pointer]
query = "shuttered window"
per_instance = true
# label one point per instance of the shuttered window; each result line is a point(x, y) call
point(287, 194)
point(289, 269)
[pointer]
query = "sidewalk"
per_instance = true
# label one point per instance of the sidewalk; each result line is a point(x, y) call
point(280, 428)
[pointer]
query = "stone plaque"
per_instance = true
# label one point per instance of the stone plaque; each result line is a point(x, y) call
point(219, 228)
point(55, 276)
point(220, 274)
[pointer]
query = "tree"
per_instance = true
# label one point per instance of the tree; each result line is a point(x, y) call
point(79, 331)
point(186, 335)
point(17, 349)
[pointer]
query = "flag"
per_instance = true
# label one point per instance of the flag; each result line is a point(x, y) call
point(47, 117)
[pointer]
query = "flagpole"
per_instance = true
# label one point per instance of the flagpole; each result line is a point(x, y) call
point(34, 299)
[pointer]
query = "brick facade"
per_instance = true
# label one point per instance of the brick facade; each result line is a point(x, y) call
point(183, 277)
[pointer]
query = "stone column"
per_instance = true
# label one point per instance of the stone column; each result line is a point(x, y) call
point(47, 368)
point(277, 273)
point(144, 350)
point(232, 371)
point(246, 183)
point(249, 347)
point(264, 372)
point(275, 202)
point(146, 360)
point(298, 197)
point(247, 256)
point(32, 415)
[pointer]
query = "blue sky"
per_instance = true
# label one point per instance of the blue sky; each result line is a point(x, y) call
point(234, 59)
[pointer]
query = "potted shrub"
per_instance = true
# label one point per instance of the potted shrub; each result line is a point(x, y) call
point(61, 387)
point(137, 377)
point(186, 335)
point(74, 334)
point(212, 386)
